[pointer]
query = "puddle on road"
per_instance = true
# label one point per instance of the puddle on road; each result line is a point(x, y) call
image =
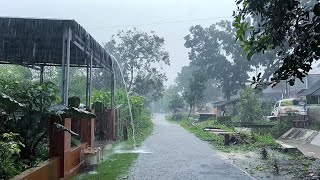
point(123, 149)
point(134, 151)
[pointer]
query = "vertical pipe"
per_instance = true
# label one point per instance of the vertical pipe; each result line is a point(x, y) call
point(90, 79)
point(68, 54)
point(63, 67)
point(41, 73)
point(112, 83)
point(87, 86)
point(112, 93)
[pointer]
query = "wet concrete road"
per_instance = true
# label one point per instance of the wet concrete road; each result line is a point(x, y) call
point(178, 154)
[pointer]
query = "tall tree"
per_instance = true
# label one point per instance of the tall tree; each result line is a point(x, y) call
point(211, 91)
point(139, 53)
point(290, 27)
point(214, 50)
point(194, 94)
point(150, 85)
point(175, 103)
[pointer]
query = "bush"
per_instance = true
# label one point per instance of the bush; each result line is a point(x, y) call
point(282, 126)
point(266, 107)
point(9, 149)
point(224, 119)
point(249, 106)
point(178, 116)
point(314, 114)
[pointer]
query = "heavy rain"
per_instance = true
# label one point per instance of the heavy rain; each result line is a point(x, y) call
point(152, 90)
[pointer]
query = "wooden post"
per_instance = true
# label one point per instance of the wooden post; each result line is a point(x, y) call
point(226, 140)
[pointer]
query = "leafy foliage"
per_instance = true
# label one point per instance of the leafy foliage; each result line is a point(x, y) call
point(280, 127)
point(194, 94)
point(210, 50)
point(290, 27)
point(150, 85)
point(266, 107)
point(28, 118)
point(9, 151)
point(176, 103)
point(15, 73)
point(249, 106)
point(211, 91)
point(138, 52)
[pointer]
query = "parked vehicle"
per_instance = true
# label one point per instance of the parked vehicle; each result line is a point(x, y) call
point(286, 106)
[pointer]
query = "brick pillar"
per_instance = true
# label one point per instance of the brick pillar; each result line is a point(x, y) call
point(67, 135)
point(59, 143)
point(87, 131)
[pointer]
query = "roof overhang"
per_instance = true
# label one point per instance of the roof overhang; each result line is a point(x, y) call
point(35, 42)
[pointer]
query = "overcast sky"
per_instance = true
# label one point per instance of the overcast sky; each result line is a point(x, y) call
point(102, 18)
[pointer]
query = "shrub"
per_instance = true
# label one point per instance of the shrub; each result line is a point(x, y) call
point(9, 148)
point(178, 116)
point(224, 119)
point(249, 106)
point(266, 107)
point(314, 114)
point(281, 126)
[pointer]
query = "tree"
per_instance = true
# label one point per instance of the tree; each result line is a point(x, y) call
point(15, 72)
point(194, 94)
point(249, 106)
point(211, 91)
point(290, 27)
point(150, 85)
point(214, 50)
point(175, 103)
point(138, 53)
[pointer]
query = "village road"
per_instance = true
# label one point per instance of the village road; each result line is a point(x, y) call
point(179, 155)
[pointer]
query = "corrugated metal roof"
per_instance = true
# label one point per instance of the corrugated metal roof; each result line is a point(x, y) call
point(313, 89)
point(30, 41)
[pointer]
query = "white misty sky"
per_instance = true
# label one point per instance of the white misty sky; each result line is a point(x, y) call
point(100, 18)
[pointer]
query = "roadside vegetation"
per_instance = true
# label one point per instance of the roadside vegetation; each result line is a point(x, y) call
point(252, 144)
point(116, 165)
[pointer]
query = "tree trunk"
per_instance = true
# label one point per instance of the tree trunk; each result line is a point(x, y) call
point(131, 79)
point(190, 111)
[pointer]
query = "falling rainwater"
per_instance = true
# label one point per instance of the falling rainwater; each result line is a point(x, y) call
point(129, 104)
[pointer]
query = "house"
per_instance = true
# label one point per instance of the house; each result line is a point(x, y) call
point(284, 90)
point(226, 107)
point(312, 94)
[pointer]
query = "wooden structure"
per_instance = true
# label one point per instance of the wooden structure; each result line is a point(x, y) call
point(227, 107)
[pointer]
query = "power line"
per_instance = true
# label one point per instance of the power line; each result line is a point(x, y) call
point(158, 23)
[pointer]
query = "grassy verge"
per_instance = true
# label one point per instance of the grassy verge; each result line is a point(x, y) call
point(254, 140)
point(117, 165)
point(114, 166)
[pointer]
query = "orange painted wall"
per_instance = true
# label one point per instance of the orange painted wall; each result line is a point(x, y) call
point(48, 170)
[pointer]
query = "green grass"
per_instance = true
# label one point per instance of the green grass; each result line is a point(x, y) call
point(257, 140)
point(115, 166)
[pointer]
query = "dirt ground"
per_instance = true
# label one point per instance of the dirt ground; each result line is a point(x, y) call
point(277, 166)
